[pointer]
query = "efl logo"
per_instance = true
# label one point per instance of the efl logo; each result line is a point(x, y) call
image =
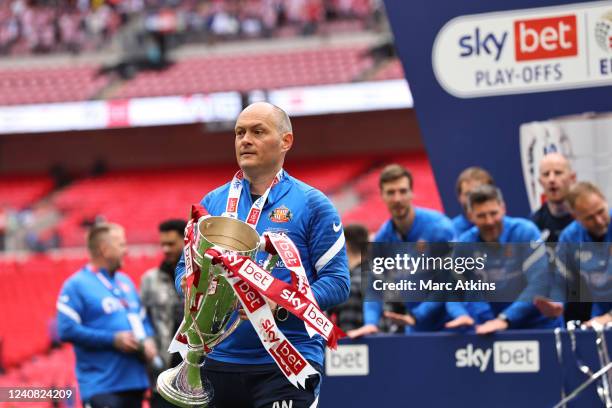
point(544, 38)
point(251, 299)
point(288, 357)
point(603, 32)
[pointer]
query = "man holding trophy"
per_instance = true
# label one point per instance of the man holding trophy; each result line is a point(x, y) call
point(275, 357)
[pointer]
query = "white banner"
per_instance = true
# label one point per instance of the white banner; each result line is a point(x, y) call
point(201, 108)
point(53, 117)
point(356, 97)
point(86, 115)
point(522, 51)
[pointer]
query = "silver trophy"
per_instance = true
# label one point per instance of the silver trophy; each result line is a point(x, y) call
point(210, 303)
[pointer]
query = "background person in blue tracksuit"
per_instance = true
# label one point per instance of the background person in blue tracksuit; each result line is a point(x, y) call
point(467, 181)
point(556, 177)
point(583, 255)
point(99, 312)
point(525, 274)
point(407, 224)
point(240, 369)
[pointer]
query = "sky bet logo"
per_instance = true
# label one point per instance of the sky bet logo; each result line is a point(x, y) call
point(508, 357)
point(522, 51)
point(534, 39)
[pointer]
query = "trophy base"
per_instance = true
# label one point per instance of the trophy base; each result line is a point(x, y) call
point(173, 387)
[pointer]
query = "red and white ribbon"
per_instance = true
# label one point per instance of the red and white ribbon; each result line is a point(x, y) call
point(281, 292)
point(281, 245)
point(291, 362)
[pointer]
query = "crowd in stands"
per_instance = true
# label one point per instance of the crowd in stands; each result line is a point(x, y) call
point(44, 26)
point(34, 27)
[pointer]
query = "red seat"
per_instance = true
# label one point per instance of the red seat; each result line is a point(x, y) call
point(45, 85)
point(247, 72)
point(19, 191)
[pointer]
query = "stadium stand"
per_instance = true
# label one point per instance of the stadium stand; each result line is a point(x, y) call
point(139, 199)
point(47, 85)
point(25, 27)
point(266, 70)
point(234, 72)
point(19, 191)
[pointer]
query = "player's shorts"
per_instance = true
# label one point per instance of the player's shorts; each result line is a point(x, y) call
point(258, 386)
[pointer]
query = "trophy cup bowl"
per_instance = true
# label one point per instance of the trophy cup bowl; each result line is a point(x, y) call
point(210, 304)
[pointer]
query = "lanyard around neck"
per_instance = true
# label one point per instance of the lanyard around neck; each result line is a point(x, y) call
point(233, 198)
point(115, 291)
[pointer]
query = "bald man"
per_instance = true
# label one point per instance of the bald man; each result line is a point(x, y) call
point(556, 177)
point(240, 369)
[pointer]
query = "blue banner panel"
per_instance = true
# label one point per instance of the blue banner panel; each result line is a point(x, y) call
point(494, 82)
point(509, 369)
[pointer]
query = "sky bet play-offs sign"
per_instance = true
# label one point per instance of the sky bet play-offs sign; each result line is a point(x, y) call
point(523, 51)
point(506, 356)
